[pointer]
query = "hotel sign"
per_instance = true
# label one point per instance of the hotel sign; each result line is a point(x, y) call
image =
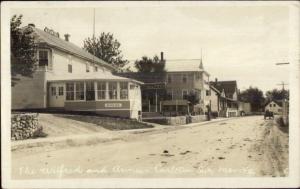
point(113, 105)
point(51, 32)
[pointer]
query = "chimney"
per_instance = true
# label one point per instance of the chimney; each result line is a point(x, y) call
point(31, 25)
point(67, 37)
point(216, 80)
point(162, 56)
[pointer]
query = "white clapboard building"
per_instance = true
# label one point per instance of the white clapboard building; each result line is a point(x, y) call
point(69, 78)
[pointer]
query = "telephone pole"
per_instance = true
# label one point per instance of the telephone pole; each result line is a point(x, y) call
point(283, 84)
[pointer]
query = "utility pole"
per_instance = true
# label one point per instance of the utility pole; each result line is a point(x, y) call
point(283, 84)
point(280, 64)
point(94, 23)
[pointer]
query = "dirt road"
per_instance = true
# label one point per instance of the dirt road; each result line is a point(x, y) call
point(248, 146)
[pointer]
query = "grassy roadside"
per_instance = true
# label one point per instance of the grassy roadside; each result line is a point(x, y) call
point(108, 122)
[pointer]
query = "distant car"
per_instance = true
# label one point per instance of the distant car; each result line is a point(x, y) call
point(269, 114)
point(242, 113)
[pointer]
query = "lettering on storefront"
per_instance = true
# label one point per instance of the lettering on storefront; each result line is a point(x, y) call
point(113, 105)
point(154, 86)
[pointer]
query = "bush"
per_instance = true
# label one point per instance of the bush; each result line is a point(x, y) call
point(39, 133)
point(280, 122)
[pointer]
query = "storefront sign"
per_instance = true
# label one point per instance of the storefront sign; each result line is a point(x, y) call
point(113, 105)
point(154, 86)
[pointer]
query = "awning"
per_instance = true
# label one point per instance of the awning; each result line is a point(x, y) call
point(175, 102)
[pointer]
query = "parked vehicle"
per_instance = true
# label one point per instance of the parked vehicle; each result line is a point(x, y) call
point(268, 114)
point(242, 113)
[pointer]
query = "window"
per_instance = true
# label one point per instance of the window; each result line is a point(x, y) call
point(79, 87)
point(69, 91)
point(169, 95)
point(87, 67)
point(43, 58)
point(169, 79)
point(274, 105)
point(279, 109)
point(184, 94)
point(112, 90)
point(198, 76)
point(90, 91)
point(131, 87)
point(208, 92)
point(60, 91)
point(53, 91)
point(70, 68)
point(123, 90)
point(95, 69)
point(101, 87)
point(270, 105)
point(184, 78)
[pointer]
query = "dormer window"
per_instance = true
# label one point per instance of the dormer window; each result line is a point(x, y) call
point(184, 78)
point(70, 68)
point(169, 79)
point(87, 67)
point(43, 58)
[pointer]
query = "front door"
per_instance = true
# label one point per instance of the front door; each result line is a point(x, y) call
point(56, 95)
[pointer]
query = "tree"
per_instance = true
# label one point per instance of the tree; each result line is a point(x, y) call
point(23, 48)
point(193, 98)
point(276, 94)
point(147, 65)
point(107, 48)
point(254, 96)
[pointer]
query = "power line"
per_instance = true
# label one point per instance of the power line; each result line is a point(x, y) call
point(282, 63)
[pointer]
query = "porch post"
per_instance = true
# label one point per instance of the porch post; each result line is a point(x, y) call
point(159, 106)
point(118, 90)
point(176, 107)
point(84, 90)
point(106, 90)
point(155, 100)
point(96, 90)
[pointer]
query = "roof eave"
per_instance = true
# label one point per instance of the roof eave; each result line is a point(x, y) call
point(65, 50)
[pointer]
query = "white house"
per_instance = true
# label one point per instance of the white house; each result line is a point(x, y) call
point(274, 106)
point(72, 79)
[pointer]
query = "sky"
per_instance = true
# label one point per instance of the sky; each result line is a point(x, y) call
point(240, 43)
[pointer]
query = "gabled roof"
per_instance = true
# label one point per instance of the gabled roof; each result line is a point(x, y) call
point(229, 87)
point(184, 66)
point(278, 102)
point(214, 89)
point(147, 78)
point(43, 37)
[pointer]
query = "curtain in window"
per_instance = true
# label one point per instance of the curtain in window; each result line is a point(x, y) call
point(90, 91)
point(70, 91)
point(112, 90)
point(124, 90)
point(79, 91)
point(101, 90)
